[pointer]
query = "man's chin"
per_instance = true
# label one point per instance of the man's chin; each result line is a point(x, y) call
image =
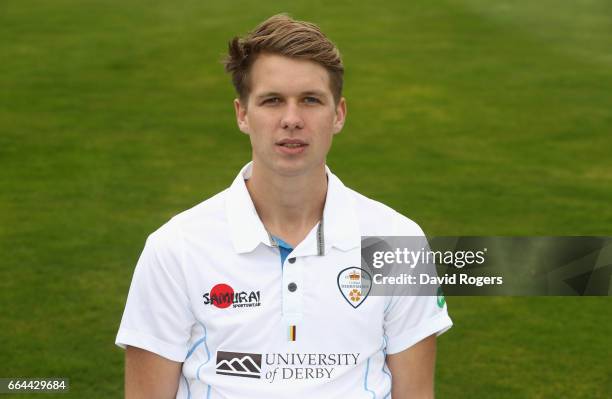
point(294, 167)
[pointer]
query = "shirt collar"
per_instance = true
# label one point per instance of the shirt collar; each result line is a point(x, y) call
point(340, 228)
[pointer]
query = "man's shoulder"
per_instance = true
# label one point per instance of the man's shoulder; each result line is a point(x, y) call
point(376, 218)
point(201, 219)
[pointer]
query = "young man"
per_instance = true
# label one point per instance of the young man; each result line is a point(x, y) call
point(240, 296)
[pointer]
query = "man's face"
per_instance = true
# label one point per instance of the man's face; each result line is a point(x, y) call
point(290, 114)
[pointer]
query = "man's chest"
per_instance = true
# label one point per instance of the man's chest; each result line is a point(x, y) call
point(313, 300)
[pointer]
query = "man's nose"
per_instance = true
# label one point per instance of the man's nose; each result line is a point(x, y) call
point(292, 119)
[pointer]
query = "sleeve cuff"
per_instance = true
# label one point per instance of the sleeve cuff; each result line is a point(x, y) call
point(152, 344)
point(438, 325)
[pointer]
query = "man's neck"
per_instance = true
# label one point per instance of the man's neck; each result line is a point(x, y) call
point(288, 206)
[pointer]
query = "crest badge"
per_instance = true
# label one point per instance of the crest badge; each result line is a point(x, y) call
point(354, 284)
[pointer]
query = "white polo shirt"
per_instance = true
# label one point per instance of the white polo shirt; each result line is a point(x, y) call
point(208, 291)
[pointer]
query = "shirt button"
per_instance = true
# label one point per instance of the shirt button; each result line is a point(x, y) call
point(292, 287)
point(291, 260)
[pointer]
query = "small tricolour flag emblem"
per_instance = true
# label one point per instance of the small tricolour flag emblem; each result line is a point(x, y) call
point(292, 333)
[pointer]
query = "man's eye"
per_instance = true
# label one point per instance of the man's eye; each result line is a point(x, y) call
point(272, 100)
point(311, 100)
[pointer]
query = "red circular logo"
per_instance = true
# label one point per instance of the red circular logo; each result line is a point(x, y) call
point(222, 295)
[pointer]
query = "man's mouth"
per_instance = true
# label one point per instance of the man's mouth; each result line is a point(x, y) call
point(290, 143)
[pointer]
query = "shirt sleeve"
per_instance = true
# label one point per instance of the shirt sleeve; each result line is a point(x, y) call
point(410, 319)
point(157, 315)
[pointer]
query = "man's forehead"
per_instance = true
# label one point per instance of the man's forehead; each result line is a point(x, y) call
point(284, 75)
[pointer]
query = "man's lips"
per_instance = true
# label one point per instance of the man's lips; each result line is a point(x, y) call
point(291, 143)
point(291, 146)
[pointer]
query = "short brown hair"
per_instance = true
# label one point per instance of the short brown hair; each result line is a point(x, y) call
point(282, 35)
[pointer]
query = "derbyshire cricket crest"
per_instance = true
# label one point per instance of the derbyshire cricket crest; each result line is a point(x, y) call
point(354, 285)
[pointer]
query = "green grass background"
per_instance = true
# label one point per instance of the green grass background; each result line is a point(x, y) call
point(469, 116)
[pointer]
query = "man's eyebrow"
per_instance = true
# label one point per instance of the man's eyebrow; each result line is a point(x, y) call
point(269, 94)
point(317, 93)
point(314, 93)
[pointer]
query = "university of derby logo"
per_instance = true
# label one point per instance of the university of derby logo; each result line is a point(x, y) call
point(354, 285)
point(239, 364)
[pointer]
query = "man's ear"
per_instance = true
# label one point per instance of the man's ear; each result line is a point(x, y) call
point(340, 115)
point(241, 116)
